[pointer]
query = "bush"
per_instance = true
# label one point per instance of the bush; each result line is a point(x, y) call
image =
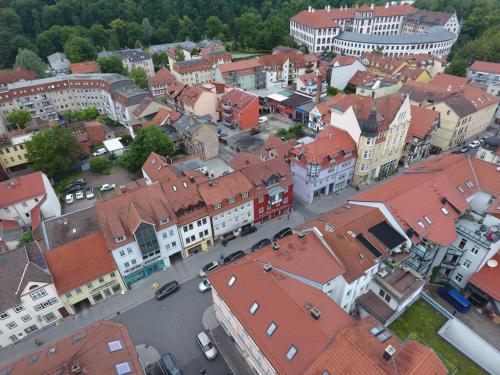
point(26, 238)
point(100, 165)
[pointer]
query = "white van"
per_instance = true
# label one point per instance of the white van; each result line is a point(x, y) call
point(262, 120)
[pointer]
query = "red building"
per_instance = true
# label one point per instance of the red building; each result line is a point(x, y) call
point(238, 108)
point(273, 188)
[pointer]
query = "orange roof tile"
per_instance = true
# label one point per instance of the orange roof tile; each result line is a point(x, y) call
point(448, 82)
point(190, 95)
point(79, 262)
point(488, 279)
point(485, 66)
point(88, 347)
point(286, 302)
point(21, 188)
point(162, 77)
point(340, 60)
point(281, 147)
point(362, 78)
point(422, 121)
point(85, 67)
point(243, 67)
point(238, 98)
point(243, 159)
point(230, 185)
point(18, 74)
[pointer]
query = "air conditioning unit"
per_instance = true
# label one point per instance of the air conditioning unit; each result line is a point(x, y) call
point(315, 313)
point(268, 267)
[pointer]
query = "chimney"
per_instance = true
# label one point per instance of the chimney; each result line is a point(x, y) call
point(268, 267)
point(318, 87)
point(309, 9)
point(312, 10)
point(76, 369)
point(372, 6)
point(276, 246)
point(389, 353)
point(315, 313)
point(449, 88)
point(191, 179)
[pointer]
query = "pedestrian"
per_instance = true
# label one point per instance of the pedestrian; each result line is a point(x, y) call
point(203, 371)
point(454, 312)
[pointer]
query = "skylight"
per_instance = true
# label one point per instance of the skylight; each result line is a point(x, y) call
point(291, 353)
point(231, 281)
point(384, 336)
point(460, 189)
point(153, 161)
point(174, 188)
point(123, 368)
point(428, 219)
point(444, 211)
point(377, 329)
point(420, 223)
point(469, 184)
point(115, 346)
point(272, 327)
point(254, 308)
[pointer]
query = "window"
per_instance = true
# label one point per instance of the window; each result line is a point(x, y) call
point(261, 199)
point(459, 277)
point(134, 262)
point(272, 327)
point(97, 297)
point(244, 195)
point(381, 293)
point(78, 290)
point(26, 318)
point(421, 224)
point(31, 328)
point(204, 221)
point(129, 250)
point(50, 317)
point(467, 263)
point(164, 235)
point(462, 243)
point(231, 200)
point(185, 229)
point(261, 210)
point(122, 253)
point(11, 325)
point(68, 294)
point(164, 221)
point(13, 338)
point(123, 368)
point(217, 206)
point(254, 308)
point(474, 250)
point(200, 234)
point(291, 353)
point(428, 219)
point(119, 238)
point(231, 281)
point(126, 264)
point(38, 294)
point(387, 297)
point(89, 285)
point(18, 308)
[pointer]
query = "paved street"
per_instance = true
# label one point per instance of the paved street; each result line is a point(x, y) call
point(171, 325)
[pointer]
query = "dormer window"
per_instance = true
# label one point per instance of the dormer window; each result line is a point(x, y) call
point(231, 200)
point(347, 154)
point(119, 238)
point(421, 224)
point(444, 210)
point(244, 195)
point(217, 206)
point(164, 221)
point(331, 159)
point(153, 161)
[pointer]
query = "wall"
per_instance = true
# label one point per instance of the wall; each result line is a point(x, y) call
point(233, 218)
point(51, 207)
point(341, 75)
point(20, 212)
point(194, 229)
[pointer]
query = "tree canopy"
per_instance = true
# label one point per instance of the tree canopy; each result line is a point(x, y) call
point(140, 77)
point(18, 119)
point(53, 151)
point(30, 61)
point(148, 140)
point(111, 64)
point(79, 49)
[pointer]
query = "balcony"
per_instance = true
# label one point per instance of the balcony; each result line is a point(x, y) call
point(453, 250)
point(227, 107)
point(449, 264)
point(225, 114)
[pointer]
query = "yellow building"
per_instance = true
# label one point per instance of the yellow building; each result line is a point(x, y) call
point(384, 123)
point(13, 153)
point(84, 272)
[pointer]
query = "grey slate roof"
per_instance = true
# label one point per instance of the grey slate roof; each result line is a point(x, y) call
point(191, 62)
point(17, 268)
point(433, 35)
point(157, 48)
point(134, 94)
point(194, 163)
point(189, 124)
point(134, 55)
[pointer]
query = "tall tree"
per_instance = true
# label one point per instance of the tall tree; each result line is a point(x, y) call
point(147, 30)
point(30, 61)
point(18, 118)
point(111, 64)
point(79, 49)
point(140, 77)
point(148, 140)
point(53, 151)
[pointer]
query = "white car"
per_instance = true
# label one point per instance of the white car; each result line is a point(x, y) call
point(474, 144)
point(79, 194)
point(89, 194)
point(107, 187)
point(204, 286)
point(99, 152)
point(209, 267)
point(206, 345)
point(262, 120)
point(69, 198)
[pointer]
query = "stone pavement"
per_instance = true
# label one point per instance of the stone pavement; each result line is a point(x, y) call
point(142, 291)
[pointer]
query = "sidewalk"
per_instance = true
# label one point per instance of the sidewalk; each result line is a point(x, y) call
point(142, 291)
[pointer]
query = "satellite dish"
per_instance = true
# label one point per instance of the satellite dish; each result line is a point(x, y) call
point(492, 263)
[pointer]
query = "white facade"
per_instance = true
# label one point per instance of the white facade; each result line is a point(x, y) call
point(233, 219)
point(196, 232)
point(278, 77)
point(342, 74)
point(491, 156)
point(39, 308)
point(410, 27)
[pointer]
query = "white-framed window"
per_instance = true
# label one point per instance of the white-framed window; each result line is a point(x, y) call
point(164, 235)
point(18, 308)
point(244, 195)
point(261, 210)
point(129, 250)
point(254, 308)
point(38, 294)
point(261, 199)
point(26, 318)
point(217, 206)
point(231, 200)
point(50, 317)
point(459, 277)
point(474, 250)
point(122, 253)
point(467, 263)
point(164, 221)
point(119, 238)
point(11, 325)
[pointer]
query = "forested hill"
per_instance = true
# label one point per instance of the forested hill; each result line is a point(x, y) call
point(83, 27)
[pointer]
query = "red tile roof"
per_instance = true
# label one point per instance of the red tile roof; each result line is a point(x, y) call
point(422, 121)
point(21, 188)
point(223, 187)
point(362, 78)
point(286, 302)
point(305, 257)
point(275, 60)
point(243, 67)
point(448, 82)
point(163, 116)
point(354, 219)
point(87, 347)
point(488, 278)
point(162, 77)
point(316, 20)
point(19, 74)
point(79, 262)
point(157, 168)
point(190, 95)
point(85, 67)
point(281, 147)
point(243, 159)
point(238, 98)
point(484, 66)
point(260, 172)
point(340, 60)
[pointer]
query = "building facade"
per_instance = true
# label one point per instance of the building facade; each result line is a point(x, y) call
point(485, 75)
point(244, 74)
point(239, 109)
point(13, 152)
point(132, 58)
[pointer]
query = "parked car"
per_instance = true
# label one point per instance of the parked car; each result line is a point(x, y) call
point(262, 120)
point(169, 364)
point(204, 285)
point(234, 256)
point(474, 144)
point(83, 156)
point(107, 187)
point(463, 149)
point(167, 289)
point(283, 233)
point(209, 267)
point(223, 134)
point(206, 345)
point(78, 181)
point(254, 131)
point(100, 152)
point(74, 189)
point(79, 194)
point(263, 242)
point(89, 194)
point(69, 198)
point(455, 299)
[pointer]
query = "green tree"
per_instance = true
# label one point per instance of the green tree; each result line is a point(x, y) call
point(160, 60)
point(179, 53)
point(85, 114)
point(247, 28)
point(332, 91)
point(26, 238)
point(140, 77)
point(111, 64)
point(100, 164)
point(148, 140)
point(79, 49)
point(214, 28)
point(30, 61)
point(53, 151)
point(19, 118)
point(147, 30)
point(100, 36)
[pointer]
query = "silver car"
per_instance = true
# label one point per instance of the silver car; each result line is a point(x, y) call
point(204, 285)
point(206, 345)
point(209, 267)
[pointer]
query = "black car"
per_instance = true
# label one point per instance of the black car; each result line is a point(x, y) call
point(170, 364)
point(78, 181)
point(74, 188)
point(261, 244)
point(234, 256)
point(167, 289)
point(283, 233)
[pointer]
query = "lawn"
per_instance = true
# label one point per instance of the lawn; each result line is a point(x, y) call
point(421, 323)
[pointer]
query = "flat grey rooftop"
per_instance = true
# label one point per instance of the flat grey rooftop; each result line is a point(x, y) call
point(435, 34)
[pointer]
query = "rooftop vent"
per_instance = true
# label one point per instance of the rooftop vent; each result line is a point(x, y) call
point(76, 369)
point(389, 352)
point(301, 235)
point(191, 178)
point(268, 267)
point(329, 227)
point(492, 263)
point(315, 313)
point(276, 246)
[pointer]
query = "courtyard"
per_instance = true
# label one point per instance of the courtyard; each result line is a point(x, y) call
point(421, 323)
